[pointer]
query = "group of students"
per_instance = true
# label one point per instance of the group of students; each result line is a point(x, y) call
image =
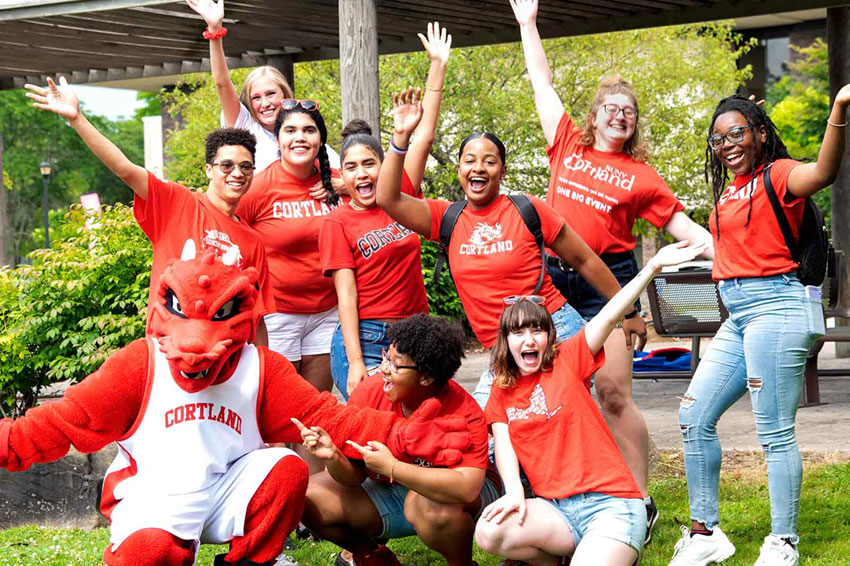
point(342, 297)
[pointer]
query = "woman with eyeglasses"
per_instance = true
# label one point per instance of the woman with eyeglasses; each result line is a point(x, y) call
point(542, 417)
point(256, 105)
point(773, 321)
point(374, 261)
point(280, 209)
point(492, 253)
point(601, 183)
point(169, 213)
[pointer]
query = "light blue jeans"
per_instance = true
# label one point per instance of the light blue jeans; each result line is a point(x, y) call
point(373, 339)
point(761, 348)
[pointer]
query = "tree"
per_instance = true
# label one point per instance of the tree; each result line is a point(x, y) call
point(798, 104)
point(31, 136)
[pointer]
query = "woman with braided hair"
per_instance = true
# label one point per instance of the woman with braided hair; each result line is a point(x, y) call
point(773, 321)
point(279, 207)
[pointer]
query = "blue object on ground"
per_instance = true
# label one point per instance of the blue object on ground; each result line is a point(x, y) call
point(663, 359)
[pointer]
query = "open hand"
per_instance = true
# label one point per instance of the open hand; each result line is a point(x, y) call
point(56, 98)
point(316, 440)
point(210, 10)
point(438, 44)
point(497, 511)
point(525, 11)
point(676, 253)
point(407, 111)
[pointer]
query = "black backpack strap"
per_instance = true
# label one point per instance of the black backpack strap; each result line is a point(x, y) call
point(447, 225)
point(781, 218)
point(532, 222)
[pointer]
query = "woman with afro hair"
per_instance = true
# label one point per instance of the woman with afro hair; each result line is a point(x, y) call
point(773, 321)
point(352, 505)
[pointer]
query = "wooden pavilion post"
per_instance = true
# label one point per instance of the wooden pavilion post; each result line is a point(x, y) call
point(358, 62)
point(838, 42)
point(5, 228)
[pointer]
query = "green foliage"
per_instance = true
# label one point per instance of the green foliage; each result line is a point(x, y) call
point(442, 299)
point(31, 136)
point(78, 302)
point(798, 104)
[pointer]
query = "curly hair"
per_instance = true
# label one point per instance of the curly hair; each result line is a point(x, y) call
point(324, 163)
point(522, 314)
point(772, 148)
point(435, 345)
point(229, 136)
point(358, 132)
point(634, 146)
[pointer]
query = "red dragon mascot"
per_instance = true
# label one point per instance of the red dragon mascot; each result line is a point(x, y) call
point(192, 409)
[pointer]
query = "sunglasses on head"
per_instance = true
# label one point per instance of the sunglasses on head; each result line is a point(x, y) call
point(513, 299)
point(293, 103)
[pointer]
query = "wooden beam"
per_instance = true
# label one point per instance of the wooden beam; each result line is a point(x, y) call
point(44, 8)
point(838, 48)
point(358, 62)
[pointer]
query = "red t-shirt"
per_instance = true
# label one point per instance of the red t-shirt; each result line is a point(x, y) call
point(454, 401)
point(384, 255)
point(279, 207)
point(557, 431)
point(492, 255)
point(602, 193)
point(759, 249)
point(172, 214)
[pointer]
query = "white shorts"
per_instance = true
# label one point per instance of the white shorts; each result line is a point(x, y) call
point(297, 335)
point(214, 515)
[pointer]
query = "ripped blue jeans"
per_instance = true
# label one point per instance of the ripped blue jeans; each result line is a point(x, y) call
point(761, 348)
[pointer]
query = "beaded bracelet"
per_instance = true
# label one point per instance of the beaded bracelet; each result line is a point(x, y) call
point(214, 34)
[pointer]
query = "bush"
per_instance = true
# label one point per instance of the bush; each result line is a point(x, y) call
point(79, 301)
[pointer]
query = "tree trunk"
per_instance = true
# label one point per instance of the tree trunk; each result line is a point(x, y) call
point(838, 42)
point(358, 62)
point(5, 228)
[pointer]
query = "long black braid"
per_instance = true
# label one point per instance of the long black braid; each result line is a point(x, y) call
point(772, 148)
point(324, 163)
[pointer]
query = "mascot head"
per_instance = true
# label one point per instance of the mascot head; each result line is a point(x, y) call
point(203, 315)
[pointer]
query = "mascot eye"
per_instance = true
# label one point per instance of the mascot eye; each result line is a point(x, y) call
point(227, 310)
point(172, 304)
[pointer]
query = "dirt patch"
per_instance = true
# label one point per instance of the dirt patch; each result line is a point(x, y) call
point(744, 465)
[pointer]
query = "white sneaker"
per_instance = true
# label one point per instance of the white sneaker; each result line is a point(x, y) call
point(702, 550)
point(776, 552)
point(285, 560)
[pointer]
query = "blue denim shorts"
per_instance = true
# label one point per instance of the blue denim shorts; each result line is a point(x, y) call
point(581, 295)
point(603, 515)
point(373, 339)
point(389, 501)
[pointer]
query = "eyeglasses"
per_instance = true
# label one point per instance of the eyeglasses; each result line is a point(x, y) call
point(735, 136)
point(228, 166)
point(612, 110)
point(513, 299)
point(293, 103)
point(394, 367)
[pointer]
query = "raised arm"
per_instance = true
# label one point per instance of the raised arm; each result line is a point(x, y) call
point(808, 178)
point(438, 45)
point(549, 105)
point(411, 212)
point(62, 100)
point(213, 14)
point(600, 327)
point(684, 229)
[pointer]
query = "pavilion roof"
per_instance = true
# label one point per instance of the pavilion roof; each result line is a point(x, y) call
point(127, 40)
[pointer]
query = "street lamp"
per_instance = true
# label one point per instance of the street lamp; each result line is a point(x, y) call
point(46, 168)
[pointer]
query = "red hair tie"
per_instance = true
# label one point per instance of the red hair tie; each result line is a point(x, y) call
point(214, 34)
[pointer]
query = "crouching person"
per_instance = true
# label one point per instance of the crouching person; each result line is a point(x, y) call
point(354, 505)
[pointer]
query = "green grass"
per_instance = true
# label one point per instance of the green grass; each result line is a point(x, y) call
point(824, 523)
